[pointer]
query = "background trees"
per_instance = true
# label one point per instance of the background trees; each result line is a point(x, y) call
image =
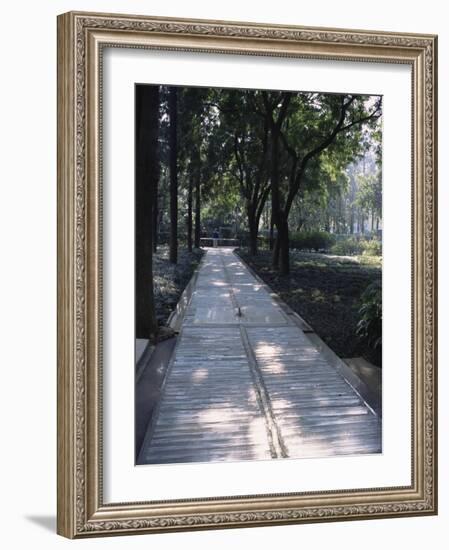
point(278, 169)
point(254, 163)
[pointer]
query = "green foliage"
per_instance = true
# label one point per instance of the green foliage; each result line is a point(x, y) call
point(370, 261)
point(239, 140)
point(328, 163)
point(369, 327)
point(353, 246)
point(311, 240)
point(372, 247)
point(369, 193)
point(348, 246)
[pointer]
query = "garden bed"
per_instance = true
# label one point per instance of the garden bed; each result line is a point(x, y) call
point(171, 279)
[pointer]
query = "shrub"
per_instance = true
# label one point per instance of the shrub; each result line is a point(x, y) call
point(369, 327)
point(347, 246)
point(372, 247)
point(311, 240)
point(352, 246)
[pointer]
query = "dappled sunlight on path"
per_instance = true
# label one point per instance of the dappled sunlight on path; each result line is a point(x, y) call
point(245, 383)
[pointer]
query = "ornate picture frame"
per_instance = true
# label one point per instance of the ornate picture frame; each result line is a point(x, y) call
point(82, 38)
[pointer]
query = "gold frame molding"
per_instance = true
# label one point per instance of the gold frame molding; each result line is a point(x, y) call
point(81, 37)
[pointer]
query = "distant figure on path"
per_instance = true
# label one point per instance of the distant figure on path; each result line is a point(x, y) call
point(215, 237)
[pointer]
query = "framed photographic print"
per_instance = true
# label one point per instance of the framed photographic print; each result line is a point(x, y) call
point(246, 274)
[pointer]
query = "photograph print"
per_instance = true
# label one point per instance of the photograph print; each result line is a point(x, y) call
point(258, 274)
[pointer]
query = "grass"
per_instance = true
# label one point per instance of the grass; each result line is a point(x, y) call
point(324, 290)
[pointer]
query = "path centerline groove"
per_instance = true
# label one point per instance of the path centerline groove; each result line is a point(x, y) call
point(275, 439)
point(246, 383)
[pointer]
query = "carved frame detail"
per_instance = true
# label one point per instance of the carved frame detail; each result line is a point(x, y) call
point(81, 37)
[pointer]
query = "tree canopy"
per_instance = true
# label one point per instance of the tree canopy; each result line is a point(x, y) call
point(261, 159)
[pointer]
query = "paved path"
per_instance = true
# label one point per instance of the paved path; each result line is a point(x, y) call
point(246, 383)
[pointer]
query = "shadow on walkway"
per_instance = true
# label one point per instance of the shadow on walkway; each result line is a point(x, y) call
point(148, 388)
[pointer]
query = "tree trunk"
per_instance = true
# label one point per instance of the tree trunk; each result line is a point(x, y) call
point(271, 230)
point(284, 248)
point(351, 221)
point(253, 233)
point(266, 217)
point(173, 152)
point(147, 161)
point(281, 249)
point(275, 252)
point(189, 212)
point(156, 201)
point(275, 201)
point(197, 211)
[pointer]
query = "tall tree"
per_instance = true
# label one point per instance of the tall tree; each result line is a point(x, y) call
point(369, 196)
point(189, 212)
point(147, 161)
point(155, 214)
point(275, 112)
point(320, 124)
point(244, 140)
point(251, 152)
point(196, 161)
point(173, 161)
point(235, 148)
point(191, 108)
